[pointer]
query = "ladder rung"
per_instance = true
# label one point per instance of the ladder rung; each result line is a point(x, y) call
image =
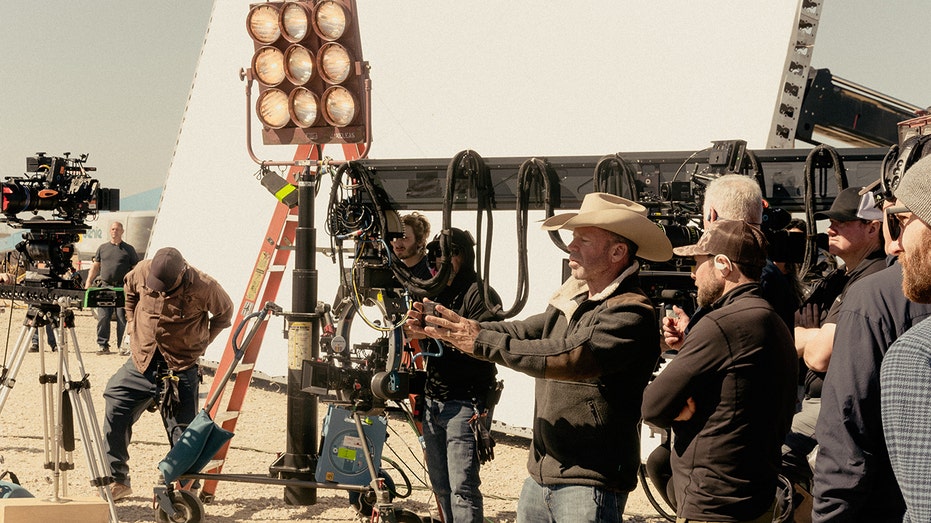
point(226, 415)
point(244, 366)
point(276, 268)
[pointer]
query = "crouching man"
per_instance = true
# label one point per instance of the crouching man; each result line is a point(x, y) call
point(173, 312)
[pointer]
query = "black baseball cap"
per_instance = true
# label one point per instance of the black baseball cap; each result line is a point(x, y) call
point(166, 266)
point(849, 206)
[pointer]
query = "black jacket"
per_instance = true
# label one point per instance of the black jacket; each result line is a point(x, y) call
point(853, 476)
point(739, 365)
point(456, 375)
point(592, 357)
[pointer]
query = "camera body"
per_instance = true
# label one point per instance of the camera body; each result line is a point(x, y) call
point(60, 185)
point(60, 188)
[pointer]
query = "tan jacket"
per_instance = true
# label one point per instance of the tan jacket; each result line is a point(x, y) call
point(180, 325)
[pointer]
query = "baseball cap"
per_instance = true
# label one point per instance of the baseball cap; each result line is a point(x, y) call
point(166, 266)
point(740, 241)
point(912, 192)
point(850, 206)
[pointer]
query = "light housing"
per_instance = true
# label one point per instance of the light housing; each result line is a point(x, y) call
point(308, 65)
point(304, 107)
point(299, 64)
point(272, 108)
point(268, 66)
point(262, 23)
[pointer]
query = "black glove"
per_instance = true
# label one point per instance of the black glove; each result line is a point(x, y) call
point(170, 400)
point(484, 443)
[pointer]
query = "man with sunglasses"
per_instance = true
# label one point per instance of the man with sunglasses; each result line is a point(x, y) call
point(905, 378)
point(853, 478)
point(854, 236)
point(457, 390)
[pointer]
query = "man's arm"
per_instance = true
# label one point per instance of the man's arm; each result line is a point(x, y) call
point(130, 299)
point(92, 274)
point(624, 333)
point(667, 398)
point(819, 348)
point(220, 307)
point(807, 326)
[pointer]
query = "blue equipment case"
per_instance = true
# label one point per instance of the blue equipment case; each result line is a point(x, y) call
point(341, 457)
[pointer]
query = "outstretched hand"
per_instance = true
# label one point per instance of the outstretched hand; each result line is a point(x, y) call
point(449, 327)
point(413, 326)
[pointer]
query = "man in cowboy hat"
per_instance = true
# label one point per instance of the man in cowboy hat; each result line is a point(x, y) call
point(592, 352)
point(729, 394)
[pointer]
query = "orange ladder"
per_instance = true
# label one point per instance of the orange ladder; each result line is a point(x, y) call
point(269, 270)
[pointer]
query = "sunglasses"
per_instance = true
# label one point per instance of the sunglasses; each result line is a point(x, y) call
point(893, 222)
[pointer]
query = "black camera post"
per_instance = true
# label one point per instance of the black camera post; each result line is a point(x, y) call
point(45, 279)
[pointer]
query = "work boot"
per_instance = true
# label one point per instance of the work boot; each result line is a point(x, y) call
point(120, 491)
point(104, 350)
point(34, 347)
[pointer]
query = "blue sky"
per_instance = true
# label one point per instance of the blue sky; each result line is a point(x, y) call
point(111, 78)
point(104, 77)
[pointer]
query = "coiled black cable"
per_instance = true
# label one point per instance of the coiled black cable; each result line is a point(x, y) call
point(840, 177)
point(381, 202)
point(614, 168)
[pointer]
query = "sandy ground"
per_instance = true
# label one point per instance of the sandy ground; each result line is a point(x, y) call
point(260, 437)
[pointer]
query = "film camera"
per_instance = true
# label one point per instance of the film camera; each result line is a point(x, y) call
point(60, 188)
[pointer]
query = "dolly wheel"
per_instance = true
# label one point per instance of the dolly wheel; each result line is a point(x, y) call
point(406, 516)
point(187, 506)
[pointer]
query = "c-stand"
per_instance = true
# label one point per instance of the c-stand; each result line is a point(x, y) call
point(73, 395)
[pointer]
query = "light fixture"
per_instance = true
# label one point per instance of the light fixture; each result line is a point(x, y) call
point(335, 63)
point(303, 107)
point(339, 106)
point(272, 107)
point(330, 20)
point(299, 64)
point(268, 65)
point(295, 21)
point(308, 63)
point(262, 23)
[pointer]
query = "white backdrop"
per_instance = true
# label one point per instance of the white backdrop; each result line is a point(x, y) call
point(518, 78)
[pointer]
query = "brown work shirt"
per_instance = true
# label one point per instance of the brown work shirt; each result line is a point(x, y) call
point(180, 325)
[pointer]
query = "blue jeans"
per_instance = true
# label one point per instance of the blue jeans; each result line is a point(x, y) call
point(452, 461)
point(49, 336)
point(128, 394)
point(103, 325)
point(569, 504)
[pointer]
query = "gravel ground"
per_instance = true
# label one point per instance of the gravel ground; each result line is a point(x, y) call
point(260, 436)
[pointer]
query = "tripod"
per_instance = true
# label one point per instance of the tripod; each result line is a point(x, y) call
point(74, 400)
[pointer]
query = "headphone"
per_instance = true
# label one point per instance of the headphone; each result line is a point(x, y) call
point(719, 265)
point(898, 160)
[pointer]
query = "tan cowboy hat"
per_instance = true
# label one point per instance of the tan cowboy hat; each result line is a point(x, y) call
point(620, 216)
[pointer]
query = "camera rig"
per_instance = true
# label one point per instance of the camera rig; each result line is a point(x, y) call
point(61, 189)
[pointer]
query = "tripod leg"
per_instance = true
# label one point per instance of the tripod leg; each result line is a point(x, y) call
point(8, 375)
point(85, 415)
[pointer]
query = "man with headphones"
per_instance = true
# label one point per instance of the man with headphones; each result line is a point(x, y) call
point(729, 394)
